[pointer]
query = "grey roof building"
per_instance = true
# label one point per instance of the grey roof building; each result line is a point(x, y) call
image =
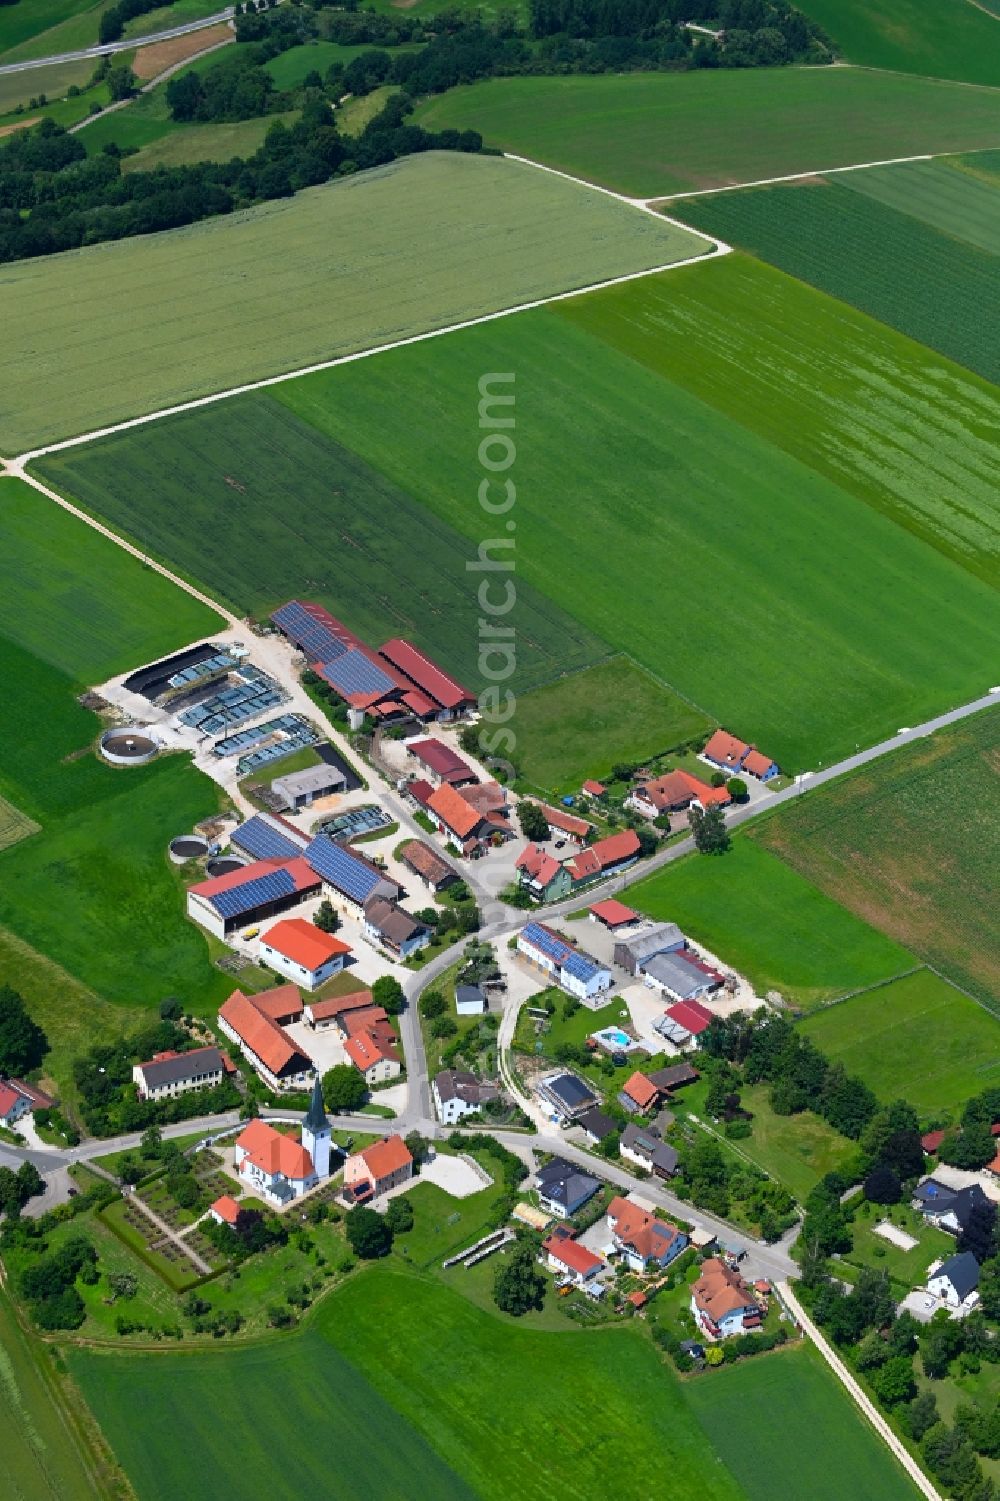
point(199, 1069)
point(596, 1124)
point(299, 788)
point(640, 1145)
point(674, 1076)
point(631, 953)
point(678, 976)
point(962, 1271)
point(567, 1094)
point(564, 1188)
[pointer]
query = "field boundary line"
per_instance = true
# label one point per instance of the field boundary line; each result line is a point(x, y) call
point(838, 1000)
point(860, 1398)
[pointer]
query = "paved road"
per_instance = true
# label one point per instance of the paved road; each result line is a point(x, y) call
point(123, 45)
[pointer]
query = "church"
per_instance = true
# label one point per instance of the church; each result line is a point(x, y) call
point(279, 1168)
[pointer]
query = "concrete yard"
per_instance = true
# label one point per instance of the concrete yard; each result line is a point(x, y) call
point(458, 1176)
point(895, 1235)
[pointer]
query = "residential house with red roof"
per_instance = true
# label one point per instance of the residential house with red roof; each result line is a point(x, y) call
point(375, 1170)
point(734, 757)
point(561, 821)
point(374, 1057)
point(639, 1093)
point(540, 873)
point(303, 952)
point(673, 792)
point(18, 1099)
point(572, 1263)
point(591, 788)
point(640, 1238)
point(471, 830)
point(722, 1303)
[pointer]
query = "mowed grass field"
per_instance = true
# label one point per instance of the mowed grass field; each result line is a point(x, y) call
point(653, 134)
point(194, 310)
point(913, 845)
point(457, 1403)
point(916, 246)
point(949, 39)
point(917, 1039)
point(274, 509)
point(820, 1446)
point(693, 451)
point(756, 914)
point(797, 1150)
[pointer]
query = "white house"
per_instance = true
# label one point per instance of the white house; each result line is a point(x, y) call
point(572, 1263)
point(470, 1000)
point(955, 1281)
point(572, 969)
point(300, 950)
point(169, 1074)
point(458, 1094)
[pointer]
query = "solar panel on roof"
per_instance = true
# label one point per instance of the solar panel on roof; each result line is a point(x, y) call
point(353, 672)
point(315, 639)
point(241, 899)
point(258, 838)
point(339, 868)
point(546, 942)
point(581, 966)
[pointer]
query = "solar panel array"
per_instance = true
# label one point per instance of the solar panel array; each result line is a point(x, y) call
point(546, 943)
point(296, 733)
point(256, 837)
point(190, 675)
point(252, 894)
point(581, 966)
point(297, 729)
point(354, 672)
point(242, 700)
point(339, 868)
point(316, 640)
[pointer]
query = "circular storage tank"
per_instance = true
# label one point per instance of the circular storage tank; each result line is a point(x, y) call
point(127, 747)
point(188, 847)
point(224, 865)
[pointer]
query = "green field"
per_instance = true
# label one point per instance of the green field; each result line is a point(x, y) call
point(28, 29)
point(195, 307)
point(14, 825)
point(915, 246)
point(796, 1150)
point(289, 69)
point(917, 1039)
point(658, 133)
point(821, 1448)
point(948, 39)
point(280, 484)
point(18, 88)
point(43, 1435)
point(581, 724)
point(759, 916)
point(455, 1403)
point(184, 145)
point(913, 845)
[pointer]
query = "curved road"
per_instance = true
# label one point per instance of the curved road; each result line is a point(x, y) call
point(128, 44)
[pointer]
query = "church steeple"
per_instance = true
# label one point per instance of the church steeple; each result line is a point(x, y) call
point(317, 1132)
point(316, 1119)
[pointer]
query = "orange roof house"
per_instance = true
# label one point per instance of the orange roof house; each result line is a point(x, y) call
point(570, 1256)
point(371, 1172)
point(641, 1091)
point(726, 751)
point(458, 817)
point(722, 1302)
point(304, 943)
point(225, 1211)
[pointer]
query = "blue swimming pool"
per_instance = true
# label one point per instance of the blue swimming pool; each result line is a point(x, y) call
point(615, 1037)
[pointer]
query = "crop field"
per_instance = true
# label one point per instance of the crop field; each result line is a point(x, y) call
point(917, 1039)
point(759, 916)
point(949, 39)
point(580, 725)
point(184, 145)
point(453, 1381)
point(195, 307)
point(14, 825)
point(653, 134)
point(822, 1448)
point(915, 246)
point(18, 88)
point(153, 60)
point(913, 845)
point(282, 486)
point(683, 517)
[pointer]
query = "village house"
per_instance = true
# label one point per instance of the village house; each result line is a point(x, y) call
point(639, 1094)
point(948, 1208)
point(247, 1021)
point(596, 1126)
point(300, 950)
point(639, 1145)
point(955, 1281)
point(566, 1095)
point(457, 1094)
point(389, 927)
point(168, 1074)
point(18, 1099)
point(564, 1188)
point(735, 757)
point(571, 968)
point(542, 875)
point(371, 1047)
point(561, 822)
point(593, 789)
point(463, 820)
point(425, 862)
point(572, 1263)
point(674, 792)
point(722, 1303)
point(279, 1168)
point(375, 1170)
point(640, 1238)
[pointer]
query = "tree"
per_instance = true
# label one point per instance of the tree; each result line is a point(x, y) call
point(23, 1044)
point(882, 1186)
point(519, 1284)
point(892, 1136)
point(737, 789)
point(872, 1352)
point(123, 1285)
point(152, 1142)
point(893, 1383)
point(432, 1004)
point(327, 918)
point(939, 1346)
point(534, 824)
point(444, 1026)
point(171, 1009)
point(369, 1233)
point(344, 1088)
point(711, 837)
point(648, 842)
point(416, 1145)
point(388, 993)
point(980, 1233)
point(921, 1414)
point(121, 82)
point(400, 1214)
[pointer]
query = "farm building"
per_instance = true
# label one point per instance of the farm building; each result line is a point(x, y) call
point(251, 894)
point(681, 975)
point(560, 821)
point(548, 879)
point(377, 1169)
point(613, 915)
point(298, 949)
point(168, 1074)
point(683, 1023)
point(268, 836)
point(633, 952)
point(571, 968)
point(328, 1013)
point(462, 821)
point(441, 762)
point(672, 793)
point(425, 862)
point(389, 927)
point(300, 789)
point(449, 697)
point(347, 876)
point(457, 1094)
point(263, 1042)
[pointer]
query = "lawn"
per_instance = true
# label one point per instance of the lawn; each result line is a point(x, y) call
point(779, 930)
point(652, 134)
point(79, 603)
point(443, 1224)
point(256, 485)
point(451, 1381)
point(917, 1039)
point(796, 1150)
point(820, 1445)
point(915, 246)
point(949, 39)
point(580, 725)
point(486, 234)
point(651, 421)
point(913, 845)
point(909, 1268)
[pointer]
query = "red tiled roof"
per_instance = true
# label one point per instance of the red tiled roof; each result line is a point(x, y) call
point(385, 1157)
point(614, 913)
point(636, 1227)
point(302, 875)
point(282, 1003)
point(690, 1014)
point(995, 1129)
point(454, 812)
point(420, 791)
point(425, 860)
point(720, 1290)
point(637, 1299)
point(8, 1099)
point(639, 1089)
point(584, 865)
point(364, 1049)
point(486, 797)
point(442, 760)
point(262, 1035)
point(425, 673)
point(274, 1153)
point(567, 823)
point(592, 788)
point(419, 702)
point(227, 1209)
point(39, 1099)
point(994, 1166)
point(931, 1140)
point(726, 749)
point(616, 847)
point(676, 789)
point(374, 1019)
point(537, 863)
point(336, 1005)
point(303, 943)
point(756, 763)
point(570, 1252)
